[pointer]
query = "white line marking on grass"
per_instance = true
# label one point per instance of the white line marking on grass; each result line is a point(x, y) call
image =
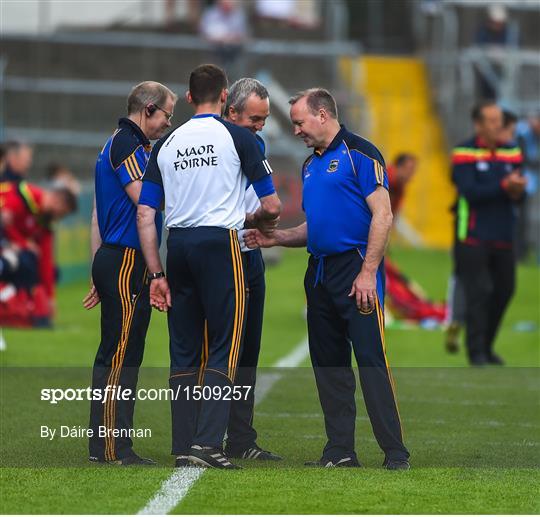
point(172, 491)
point(266, 381)
point(177, 485)
point(298, 354)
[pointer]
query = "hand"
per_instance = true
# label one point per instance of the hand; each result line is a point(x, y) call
point(364, 289)
point(91, 299)
point(160, 294)
point(249, 221)
point(267, 226)
point(256, 239)
point(514, 185)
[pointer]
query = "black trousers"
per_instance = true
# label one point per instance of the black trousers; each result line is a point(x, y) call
point(119, 275)
point(241, 434)
point(205, 268)
point(488, 278)
point(334, 326)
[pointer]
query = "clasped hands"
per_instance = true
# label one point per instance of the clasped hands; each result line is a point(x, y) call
point(514, 185)
point(261, 231)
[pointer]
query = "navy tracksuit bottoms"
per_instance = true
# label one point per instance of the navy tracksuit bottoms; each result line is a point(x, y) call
point(241, 434)
point(205, 270)
point(335, 328)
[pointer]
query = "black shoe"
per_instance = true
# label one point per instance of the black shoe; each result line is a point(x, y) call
point(126, 462)
point(479, 360)
point(210, 457)
point(495, 359)
point(343, 462)
point(255, 453)
point(136, 460)
point(182, 461)
point(396, 465)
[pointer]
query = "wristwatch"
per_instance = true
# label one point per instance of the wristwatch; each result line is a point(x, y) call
point(153, 276)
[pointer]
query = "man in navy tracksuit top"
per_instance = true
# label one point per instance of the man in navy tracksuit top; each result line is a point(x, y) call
point(489, 185)
point(348, 220)
point(118, 270)
point(248, 105)
point(201, 171)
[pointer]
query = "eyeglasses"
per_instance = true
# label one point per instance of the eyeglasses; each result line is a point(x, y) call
point(168, 115)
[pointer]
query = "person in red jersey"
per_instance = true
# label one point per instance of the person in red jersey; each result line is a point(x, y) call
point(399, 174)
point(26, 237)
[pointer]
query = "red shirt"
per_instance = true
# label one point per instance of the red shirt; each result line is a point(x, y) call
point(22, 224)
point(397, 189)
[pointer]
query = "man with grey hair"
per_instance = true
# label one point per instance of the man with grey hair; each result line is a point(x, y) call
point(119, 275)
point(248, 105)
point(348, 221)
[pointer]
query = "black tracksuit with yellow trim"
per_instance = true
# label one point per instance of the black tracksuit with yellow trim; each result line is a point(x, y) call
point(484, 232)
point(120, 277)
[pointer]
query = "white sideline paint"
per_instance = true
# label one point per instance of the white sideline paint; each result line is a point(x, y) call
point(266, 381)
point(172, 491)
point(177, 485)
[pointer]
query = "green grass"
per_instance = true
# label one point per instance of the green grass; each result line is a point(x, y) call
point(474, 435)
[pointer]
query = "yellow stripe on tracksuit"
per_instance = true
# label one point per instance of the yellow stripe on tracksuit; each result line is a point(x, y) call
point(380, 320)
point(135, 165)
point(204, 354)
point(128, 308)
point(131, 172)
point(378, 169)
point(240, 301)
point(132, 166)
point(243, 299)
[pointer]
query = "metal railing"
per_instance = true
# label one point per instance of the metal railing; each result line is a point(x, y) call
point(455, 70)
point(329, 51)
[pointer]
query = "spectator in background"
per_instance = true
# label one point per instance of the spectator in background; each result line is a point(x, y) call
point(496, 31)
point(26, 217)
point(302, 14)
point(18, 161)
point(485, 172)
point(456, 294)
point(224, 25)
point(528, 138)
point(275, 10)
point(193, 11)
point(60, 176)
point(405, 298)
point(399, 174)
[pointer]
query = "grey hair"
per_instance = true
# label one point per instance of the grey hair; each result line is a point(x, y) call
point(241, 90)
point(148, 92)
point(317, 98)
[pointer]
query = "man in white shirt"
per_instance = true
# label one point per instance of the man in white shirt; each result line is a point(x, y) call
point(200, 172)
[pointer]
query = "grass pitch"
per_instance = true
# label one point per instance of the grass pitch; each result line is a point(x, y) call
point(474, 435)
